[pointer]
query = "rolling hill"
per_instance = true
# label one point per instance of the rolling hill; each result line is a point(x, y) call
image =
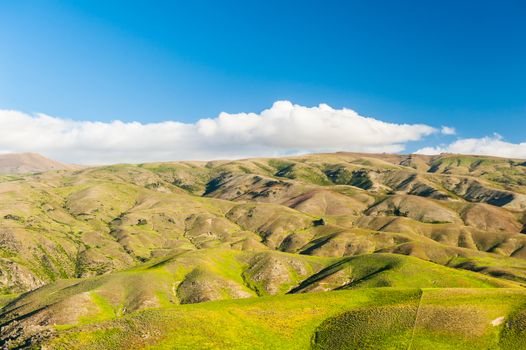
point(265, 253)
point(20, 163)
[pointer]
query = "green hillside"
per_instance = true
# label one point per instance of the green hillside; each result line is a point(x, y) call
point(363, 319)
point(318, 247)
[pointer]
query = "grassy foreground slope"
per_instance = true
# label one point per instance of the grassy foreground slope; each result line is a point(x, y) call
point(372, 318)
point(217, 274)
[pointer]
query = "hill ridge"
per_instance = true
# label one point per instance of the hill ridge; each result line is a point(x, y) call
point(28, 162)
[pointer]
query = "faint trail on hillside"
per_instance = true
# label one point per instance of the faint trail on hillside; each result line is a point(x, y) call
point(416, 320)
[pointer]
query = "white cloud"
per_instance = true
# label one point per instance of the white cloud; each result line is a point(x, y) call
point(283, 129)
point(491, 146)
point(447, 130)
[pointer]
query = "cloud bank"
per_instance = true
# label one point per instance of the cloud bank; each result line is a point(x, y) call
point(285, 128)
point(490, 146)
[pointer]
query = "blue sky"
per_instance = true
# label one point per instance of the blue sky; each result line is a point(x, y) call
point(455, 63)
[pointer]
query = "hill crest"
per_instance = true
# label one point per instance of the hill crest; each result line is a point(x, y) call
point(20, 163)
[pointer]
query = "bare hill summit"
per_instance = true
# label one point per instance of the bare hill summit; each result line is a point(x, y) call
point(20, 163)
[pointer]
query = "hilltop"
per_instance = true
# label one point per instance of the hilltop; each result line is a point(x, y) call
point(20, 163)
point(110, 256)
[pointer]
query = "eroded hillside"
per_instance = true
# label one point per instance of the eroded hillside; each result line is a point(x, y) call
point(100, 243)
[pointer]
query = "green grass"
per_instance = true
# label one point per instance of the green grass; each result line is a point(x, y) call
point(463, 319)
point(106, 310)
point(141, 296)
point(6, 298)
point(385, 318)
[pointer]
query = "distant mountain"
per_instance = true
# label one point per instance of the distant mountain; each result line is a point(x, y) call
point(19, 163)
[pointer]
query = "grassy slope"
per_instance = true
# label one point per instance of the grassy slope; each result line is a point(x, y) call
point(221, 274)
point(365, 319)
point(388, 270)
point(6, 298)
